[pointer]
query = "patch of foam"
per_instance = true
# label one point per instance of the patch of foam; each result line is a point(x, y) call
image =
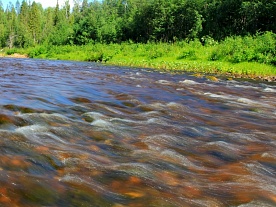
point(244, 86)
point(101, 123)
point(269, 155)
point(94, 115)
point(213, 95)
point(271, 90)
point(188, 82)
point(31, 129)
point(164, 82)
point(248, 101)
point(125, 120)
point(174, 105)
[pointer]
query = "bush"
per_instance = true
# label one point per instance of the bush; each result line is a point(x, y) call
point(260, 48)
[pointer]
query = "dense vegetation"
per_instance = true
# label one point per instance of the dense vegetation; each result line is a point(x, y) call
point(145, 31)
point(113, 21)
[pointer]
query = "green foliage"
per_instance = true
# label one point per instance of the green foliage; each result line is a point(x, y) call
point(141, 21)
point(260, 48)
point(95, 57)
point(190, 54)
point(11, 51)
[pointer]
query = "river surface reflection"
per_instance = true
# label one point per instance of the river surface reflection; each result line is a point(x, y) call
point(83, 134)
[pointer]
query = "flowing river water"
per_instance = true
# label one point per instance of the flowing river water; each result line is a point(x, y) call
point(84, 134)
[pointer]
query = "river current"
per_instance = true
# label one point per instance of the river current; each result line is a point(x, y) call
point(84, 134)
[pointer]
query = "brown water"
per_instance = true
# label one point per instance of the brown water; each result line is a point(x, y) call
point(82, 134)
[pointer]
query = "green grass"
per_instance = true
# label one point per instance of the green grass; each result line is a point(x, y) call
point(246, 56)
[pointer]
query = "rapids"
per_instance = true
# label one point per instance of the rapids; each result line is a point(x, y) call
point(85, 134)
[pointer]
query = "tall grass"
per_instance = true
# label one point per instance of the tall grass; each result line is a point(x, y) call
point(250, 55)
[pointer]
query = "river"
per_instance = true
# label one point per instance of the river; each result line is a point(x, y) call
point(85, 134)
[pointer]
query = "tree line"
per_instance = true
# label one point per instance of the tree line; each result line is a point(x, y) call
point(28, 24)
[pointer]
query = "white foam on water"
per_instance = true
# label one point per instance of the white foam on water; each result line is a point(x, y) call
point(101, 123)
point(54, 115)
point(95, 115)
point(244, 86)
point(115, 111)
point(126, 120)
point(157, 121)
point(157, 105)
point(237, 100)
point(248, 101)
point(189, 82)
point(225, 146)
point(164, 82)
point(151, 113)
point(175, 105)
point(32, 129)
point(270, 90)
point(213, 95)
point(149, 121)
point(269, 155)
point(100, 120)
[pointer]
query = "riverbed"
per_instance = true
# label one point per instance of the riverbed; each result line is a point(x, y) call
point(85, 134)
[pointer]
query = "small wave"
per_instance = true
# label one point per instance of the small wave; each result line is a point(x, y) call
point(137, 169)
point(213, 95)
point(163, 141)
point(44, 118)
point(227, 147)
point(269, 155)
point(95, 115)
point(101, 123)
point(248, 101)
point(31, 129)
point(244, 86)
point(189, 82)
point(271, 90)
point(178, 158)
point(164, 82)
point(242, 138)
point(256, 204)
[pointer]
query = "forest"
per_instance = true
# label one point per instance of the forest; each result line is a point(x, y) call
point(233, 37)
point(28, 24)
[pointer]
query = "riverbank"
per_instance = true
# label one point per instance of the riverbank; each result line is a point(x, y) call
point(236, 57)
point(15, 55)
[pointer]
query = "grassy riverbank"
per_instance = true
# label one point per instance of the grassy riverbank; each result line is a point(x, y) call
point(236, 56)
